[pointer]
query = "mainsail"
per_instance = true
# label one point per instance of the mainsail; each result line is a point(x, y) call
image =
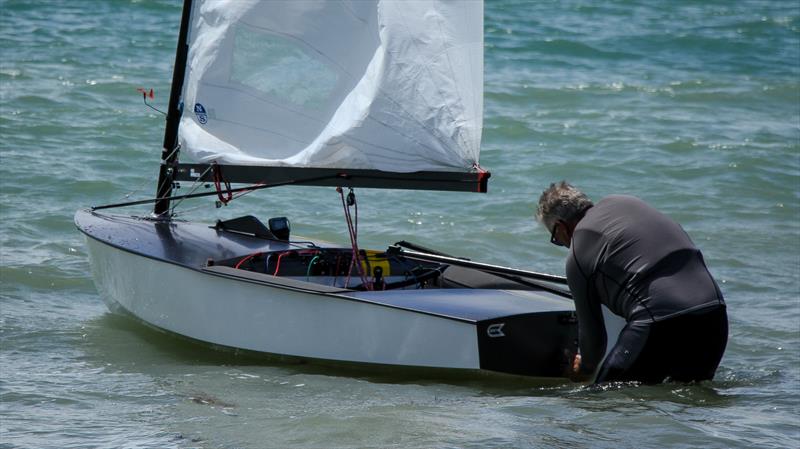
point(388, 85)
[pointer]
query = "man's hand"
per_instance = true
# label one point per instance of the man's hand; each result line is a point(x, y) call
point(575, 373)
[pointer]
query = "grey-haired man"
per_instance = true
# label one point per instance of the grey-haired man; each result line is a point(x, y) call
point(628, 256)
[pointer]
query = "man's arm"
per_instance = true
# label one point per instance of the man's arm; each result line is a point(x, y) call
point(591, 328)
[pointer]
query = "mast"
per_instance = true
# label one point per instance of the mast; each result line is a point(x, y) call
point(169, 155)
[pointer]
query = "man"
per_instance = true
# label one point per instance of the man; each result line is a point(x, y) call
point(629, 257)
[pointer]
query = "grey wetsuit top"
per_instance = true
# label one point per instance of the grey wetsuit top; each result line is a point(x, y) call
point(639, 263)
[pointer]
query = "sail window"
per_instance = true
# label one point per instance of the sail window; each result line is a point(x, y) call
point(281, 68)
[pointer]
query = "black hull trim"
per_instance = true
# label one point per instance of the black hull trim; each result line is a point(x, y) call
point(537, 344)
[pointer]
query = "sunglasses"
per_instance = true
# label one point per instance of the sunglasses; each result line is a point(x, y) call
point(553, 238)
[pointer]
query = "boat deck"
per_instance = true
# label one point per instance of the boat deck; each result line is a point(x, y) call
point(462, 294)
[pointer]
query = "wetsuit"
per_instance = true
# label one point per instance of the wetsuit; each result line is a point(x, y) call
point(644, 268)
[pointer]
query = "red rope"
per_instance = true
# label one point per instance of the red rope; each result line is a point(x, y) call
point(218, 181)
point(245, 259)
point(278, 264)
point(356, 259)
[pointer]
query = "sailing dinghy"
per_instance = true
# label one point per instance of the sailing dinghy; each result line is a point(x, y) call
point(348, 94)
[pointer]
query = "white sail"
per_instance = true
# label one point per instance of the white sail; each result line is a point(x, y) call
point(392, 85)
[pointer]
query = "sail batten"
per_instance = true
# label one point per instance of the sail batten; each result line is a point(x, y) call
point(385, 85)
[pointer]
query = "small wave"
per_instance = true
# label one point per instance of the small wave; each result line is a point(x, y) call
point(44, 277)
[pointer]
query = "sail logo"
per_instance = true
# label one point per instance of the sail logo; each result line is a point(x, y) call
point(200, 112)
point(495, 330)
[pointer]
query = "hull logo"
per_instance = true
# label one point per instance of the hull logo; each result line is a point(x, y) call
point(200, 112)
point(495, 330)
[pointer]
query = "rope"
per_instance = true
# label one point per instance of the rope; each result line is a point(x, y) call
point(308, 272)
point(195, 185)
point(246, 258)
point(278, 264)
point(149, 180)
point(166, 179)
point(353, 231)
point(218, 181)
point(235, 196)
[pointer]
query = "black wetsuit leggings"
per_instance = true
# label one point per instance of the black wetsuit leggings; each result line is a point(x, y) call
point(684, 348)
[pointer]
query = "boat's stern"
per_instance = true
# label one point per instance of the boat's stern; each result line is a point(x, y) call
point(534, 344)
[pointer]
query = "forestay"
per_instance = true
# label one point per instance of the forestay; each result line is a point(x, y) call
point(368, 84)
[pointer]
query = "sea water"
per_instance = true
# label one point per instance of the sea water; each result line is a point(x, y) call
point(692, 106)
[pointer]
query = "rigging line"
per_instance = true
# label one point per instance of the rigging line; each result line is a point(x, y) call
point(202, 194)
point(139, 188)
point(308, 272)
point(186, 212)
point(354, 258)
point(405, 263)
point(243, 193)
point(167, 178)
point(355, 205)
point(202, 206)
point(148, 180)
point(218, 182)
point(151, 106)
point(195, 185)
point(278, 264)
point(246, 258)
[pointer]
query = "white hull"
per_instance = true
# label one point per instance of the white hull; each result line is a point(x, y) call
point(246, 315)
